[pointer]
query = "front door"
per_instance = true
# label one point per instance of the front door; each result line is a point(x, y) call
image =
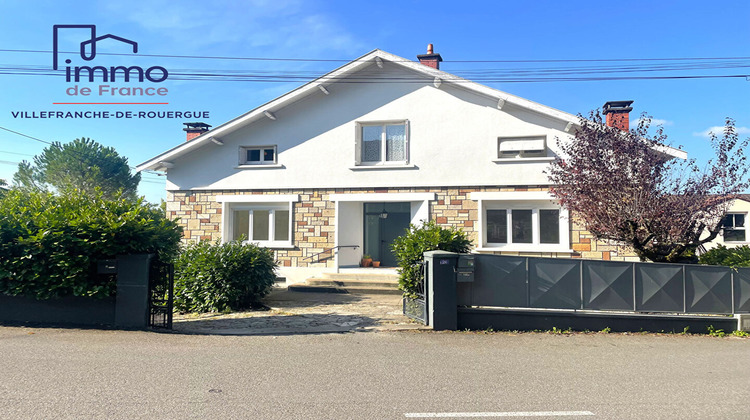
point(384, 222)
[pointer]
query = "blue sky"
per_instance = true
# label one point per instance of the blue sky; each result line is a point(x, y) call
point(344, 30)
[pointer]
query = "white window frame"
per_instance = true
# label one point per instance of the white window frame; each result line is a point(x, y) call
point(272, 203)
point(245, 149)
point(743, 228)
point(534, 201)
point(382, 162)
point(535, 223)
point(524, 154)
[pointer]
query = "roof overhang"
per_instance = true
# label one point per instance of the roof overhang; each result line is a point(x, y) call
point(671, 151)
point(375, 57)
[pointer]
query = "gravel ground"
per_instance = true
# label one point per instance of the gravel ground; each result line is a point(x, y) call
point(298, 313)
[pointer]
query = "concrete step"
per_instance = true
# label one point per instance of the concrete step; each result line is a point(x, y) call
point(354, 282)
point(355, 290)
point(362, 275)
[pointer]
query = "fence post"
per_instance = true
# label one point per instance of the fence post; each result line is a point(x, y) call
point(440, 290)
point(528, 283)
point(635, 294)
point(684, 290)
point(131, 307)
point(580, 281)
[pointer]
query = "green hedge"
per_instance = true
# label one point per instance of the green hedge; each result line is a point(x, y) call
point(49, 244)
point(733, 257)
point(409, 250)
point(222, 277)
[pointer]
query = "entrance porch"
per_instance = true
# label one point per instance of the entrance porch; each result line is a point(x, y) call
point(367, 224)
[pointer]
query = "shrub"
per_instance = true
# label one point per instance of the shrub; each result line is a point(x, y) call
point(222, 277)
point(732, 257)
point(409, 250)
point(49, 243)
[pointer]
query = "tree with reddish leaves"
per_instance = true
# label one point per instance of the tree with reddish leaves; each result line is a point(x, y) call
point(626, 188)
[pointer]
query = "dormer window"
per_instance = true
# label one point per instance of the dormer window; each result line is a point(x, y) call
point(260, 155)
point(521, 147)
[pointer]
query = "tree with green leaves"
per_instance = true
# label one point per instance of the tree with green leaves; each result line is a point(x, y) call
point(82, 165)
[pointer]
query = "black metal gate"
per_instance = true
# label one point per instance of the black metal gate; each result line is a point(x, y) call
point(416, 307)
point(161, 294)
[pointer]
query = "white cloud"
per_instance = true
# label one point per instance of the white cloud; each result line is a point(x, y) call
point(718, 130)
point(654, 122)
point(283, 28)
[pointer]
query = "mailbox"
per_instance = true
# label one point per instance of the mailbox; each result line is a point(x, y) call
point(465, 269)
point(106, 267)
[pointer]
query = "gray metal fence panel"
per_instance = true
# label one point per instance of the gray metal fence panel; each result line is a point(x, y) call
point(499, 281)
point(742, 290)
point(554, 283)
point(708, 290)
point(508, 281)
point(607, 285)
point(659, 287)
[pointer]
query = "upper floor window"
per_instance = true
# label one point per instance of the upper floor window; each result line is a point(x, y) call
point(734, 227)
point(382, 143)
point(260, 155)
point(521, 147)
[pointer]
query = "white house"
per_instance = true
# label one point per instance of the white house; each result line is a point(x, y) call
point(340, 166)
point(735, 231)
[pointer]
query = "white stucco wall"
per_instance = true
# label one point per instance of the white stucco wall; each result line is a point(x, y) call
point(453, 140)
point(349, 228)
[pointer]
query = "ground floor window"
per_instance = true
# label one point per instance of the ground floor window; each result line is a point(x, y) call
point(509, 222)
point(265, 222)
point(261, 224)
point(523, 226)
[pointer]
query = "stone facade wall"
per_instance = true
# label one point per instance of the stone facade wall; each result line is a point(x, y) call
point(314, 221)
point(454, 208)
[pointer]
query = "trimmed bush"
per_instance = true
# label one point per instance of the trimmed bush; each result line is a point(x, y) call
point(49, 244)
point(215, 277)
point(733, 257)
point(409, 250)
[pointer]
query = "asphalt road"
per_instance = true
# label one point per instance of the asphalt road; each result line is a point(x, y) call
point(89, 374)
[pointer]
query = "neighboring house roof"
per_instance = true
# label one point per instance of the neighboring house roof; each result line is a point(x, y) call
point(375, 57)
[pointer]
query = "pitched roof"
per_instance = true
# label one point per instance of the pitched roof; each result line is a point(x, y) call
point(375, 57)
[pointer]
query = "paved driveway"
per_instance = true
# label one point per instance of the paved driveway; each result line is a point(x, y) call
point(304, 313)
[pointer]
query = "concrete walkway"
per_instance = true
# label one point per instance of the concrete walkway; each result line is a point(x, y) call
point(304, 313)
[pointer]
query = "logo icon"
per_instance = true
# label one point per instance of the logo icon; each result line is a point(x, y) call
point(88, 49)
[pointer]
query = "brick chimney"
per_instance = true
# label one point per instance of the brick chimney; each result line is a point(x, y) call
point(430, 59)
point(618, 114)
point(195, 129)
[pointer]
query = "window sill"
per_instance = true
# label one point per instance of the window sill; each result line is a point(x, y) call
point(524, 159)
point(260, 166)
point(532, 248)
point(272, 245)
point(381, 167)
